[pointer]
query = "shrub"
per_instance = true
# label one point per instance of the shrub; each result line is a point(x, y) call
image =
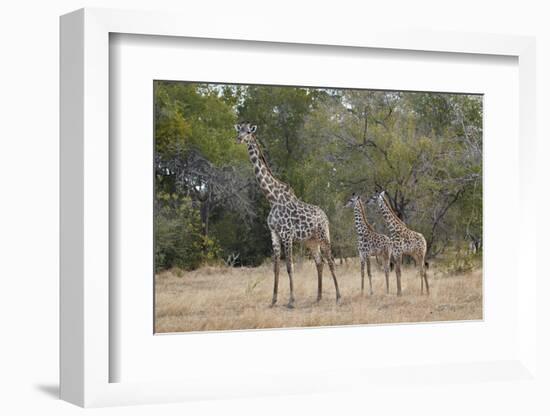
point(178, 238)
point(460, 263)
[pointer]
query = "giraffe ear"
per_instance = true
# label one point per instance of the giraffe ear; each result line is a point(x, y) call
point(253, 129)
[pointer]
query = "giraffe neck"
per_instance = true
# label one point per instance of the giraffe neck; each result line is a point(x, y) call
point(273, 189)
point(361, 224)
point(395, 225)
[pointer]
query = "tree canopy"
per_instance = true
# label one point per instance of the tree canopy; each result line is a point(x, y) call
point(424, 149)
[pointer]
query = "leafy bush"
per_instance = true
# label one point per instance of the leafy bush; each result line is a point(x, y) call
point(460, 263)
point(178, 236)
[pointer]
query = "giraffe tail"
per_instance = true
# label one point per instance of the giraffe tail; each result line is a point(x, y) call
point(392, 262)
point(426, 265)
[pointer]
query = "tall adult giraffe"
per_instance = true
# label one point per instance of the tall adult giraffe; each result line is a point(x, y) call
point(369, 243)
point(404, 241)
point(289, 219)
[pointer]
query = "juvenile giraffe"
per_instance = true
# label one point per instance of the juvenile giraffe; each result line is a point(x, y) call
point(289, 219)
point(404, 241)
point(369, 243)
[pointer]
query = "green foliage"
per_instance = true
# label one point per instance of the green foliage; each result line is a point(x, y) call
point(178, 238)
point(460, 262)
point(197, 117)
point(424, 149)
point(250, 240)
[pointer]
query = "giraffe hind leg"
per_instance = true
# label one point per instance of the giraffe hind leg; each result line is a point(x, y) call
point(378, 263)
point(327, 254)
point(370, 276)
point(387, 272)
point(397, 260)
point(421, 282)
point(425, 275)
point(313, 247)
point(319, 265)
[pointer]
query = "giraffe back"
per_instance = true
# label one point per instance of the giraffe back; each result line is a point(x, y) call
point(294, 219)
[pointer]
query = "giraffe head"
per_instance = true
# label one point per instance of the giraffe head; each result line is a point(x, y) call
point(376, 198)
point(352, 201)
point(245, 132)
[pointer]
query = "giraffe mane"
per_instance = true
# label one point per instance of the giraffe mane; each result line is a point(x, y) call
point(262, 157)
point(399, 220)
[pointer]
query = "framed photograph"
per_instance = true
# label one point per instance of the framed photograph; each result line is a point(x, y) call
point(282, 213)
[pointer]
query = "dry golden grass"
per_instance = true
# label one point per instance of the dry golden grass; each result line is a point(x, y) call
point(218, 298)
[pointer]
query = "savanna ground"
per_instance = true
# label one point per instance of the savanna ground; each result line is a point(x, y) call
point(224, 298)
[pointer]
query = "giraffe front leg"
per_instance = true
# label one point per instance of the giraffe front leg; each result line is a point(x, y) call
point(289, 269)
point(370, 275)
point(276, 242)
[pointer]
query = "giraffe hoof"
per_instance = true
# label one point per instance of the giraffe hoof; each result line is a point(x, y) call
point(273, 303)
point(290, 305)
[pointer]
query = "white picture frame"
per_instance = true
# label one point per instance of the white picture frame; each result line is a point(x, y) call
point(86, 356)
